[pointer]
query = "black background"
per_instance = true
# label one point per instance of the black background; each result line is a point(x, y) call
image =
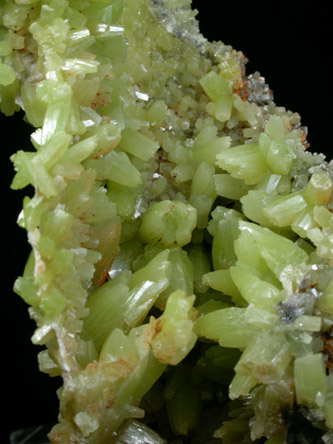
point(288, 43)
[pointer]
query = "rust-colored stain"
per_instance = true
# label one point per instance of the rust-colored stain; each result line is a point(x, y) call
point(327, 350)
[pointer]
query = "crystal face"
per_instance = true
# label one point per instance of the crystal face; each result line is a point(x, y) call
point(180, 275)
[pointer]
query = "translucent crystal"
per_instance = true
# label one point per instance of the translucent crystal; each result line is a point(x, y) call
point(182, 237)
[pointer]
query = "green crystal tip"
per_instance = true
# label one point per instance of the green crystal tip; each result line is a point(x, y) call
point(180, 274)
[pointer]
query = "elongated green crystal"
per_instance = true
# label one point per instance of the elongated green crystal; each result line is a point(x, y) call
point(180, 273)
point(310, 380)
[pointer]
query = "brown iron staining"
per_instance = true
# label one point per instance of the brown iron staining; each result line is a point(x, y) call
point(327, 350)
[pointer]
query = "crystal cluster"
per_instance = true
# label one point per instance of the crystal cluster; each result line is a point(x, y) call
point(182, 237)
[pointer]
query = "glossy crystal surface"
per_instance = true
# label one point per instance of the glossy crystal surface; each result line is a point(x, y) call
point(182, 237)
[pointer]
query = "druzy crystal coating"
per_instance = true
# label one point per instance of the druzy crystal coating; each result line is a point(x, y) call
point(181, 274)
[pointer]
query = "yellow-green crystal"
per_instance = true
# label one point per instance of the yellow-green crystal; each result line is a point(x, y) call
point(178, 254)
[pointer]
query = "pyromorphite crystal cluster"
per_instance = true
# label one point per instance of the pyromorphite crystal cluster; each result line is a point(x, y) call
point(182, 236)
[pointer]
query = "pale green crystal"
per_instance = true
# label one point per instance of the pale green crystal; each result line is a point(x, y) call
point(182, 237)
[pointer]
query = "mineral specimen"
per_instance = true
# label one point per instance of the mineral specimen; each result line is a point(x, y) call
point(181, 271)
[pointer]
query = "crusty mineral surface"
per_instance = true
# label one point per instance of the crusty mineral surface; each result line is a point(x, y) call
point(180, 275)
